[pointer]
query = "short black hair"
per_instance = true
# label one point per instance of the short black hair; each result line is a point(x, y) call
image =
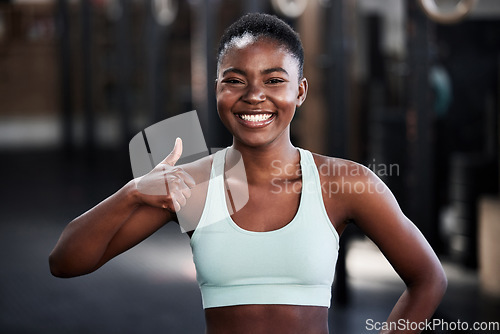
point(263, 25)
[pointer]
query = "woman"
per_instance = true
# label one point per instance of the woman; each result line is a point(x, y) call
point(267, 266)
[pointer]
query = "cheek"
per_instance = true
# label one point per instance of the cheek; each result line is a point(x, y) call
point(287, 97)
point(226, 96)
point(223, 100)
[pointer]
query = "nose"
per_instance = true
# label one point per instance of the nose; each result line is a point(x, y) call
point(254, 94)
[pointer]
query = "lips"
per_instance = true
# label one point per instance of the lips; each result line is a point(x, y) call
point(255, 120)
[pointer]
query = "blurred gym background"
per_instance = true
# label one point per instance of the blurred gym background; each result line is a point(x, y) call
point(412, 84)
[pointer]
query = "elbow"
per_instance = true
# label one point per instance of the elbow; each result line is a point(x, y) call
point(436, 288)
point(59, 273)
point(57, 269)
point(438, 281)
point(441, 282)
point(61, 268)
point(433, 284)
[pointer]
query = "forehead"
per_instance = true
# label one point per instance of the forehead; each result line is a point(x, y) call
point(248, 51)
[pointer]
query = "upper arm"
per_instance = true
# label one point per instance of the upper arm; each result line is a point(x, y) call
point(376, 212)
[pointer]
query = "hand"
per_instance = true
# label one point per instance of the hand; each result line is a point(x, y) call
point(166, 186)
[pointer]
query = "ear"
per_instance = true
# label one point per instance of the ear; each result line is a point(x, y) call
point(301, 96)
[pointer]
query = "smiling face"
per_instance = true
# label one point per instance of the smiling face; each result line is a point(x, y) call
point(257, 90)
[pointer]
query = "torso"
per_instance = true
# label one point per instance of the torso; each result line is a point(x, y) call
point(272, 318)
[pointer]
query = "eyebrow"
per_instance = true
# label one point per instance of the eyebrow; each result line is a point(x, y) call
point(233, 70)
point(266, 71)
point(274, 69)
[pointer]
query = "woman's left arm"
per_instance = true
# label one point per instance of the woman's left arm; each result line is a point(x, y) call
point(376, 212)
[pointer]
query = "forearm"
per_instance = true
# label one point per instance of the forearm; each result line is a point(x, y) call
point(415, 306)
point(84, 240)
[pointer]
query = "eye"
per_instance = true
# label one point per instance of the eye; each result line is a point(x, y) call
point(232, 81)
point(275, 81)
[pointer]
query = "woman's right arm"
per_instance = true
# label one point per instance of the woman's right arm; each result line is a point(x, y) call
point(122, 220)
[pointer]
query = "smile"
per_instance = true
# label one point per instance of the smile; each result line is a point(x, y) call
point(255, 120)
point(255, 117)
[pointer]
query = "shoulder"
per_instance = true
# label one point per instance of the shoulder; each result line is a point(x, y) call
point(337, 169)
point(357, 191)
point(351, 183)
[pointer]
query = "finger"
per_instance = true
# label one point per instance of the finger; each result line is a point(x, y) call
point(180, 199)
point(176, 153)
point(171, 204)
point(177, 206)
point(178, 189)
point(173, 207)
point(186, 191)
point(176, 198)
point(174, 183)
point(184, 177)
point(187, 179)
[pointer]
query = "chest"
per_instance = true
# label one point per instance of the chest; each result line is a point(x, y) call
point(269, 206)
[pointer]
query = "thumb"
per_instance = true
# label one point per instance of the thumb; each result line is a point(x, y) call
point(176, 153)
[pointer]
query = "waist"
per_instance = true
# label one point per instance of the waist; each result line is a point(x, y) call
point(264, 319)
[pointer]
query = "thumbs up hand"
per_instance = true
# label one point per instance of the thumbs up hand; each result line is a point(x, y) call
point(166, 186)
point(176, 153)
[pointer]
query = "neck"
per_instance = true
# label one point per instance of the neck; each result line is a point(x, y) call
point(265, 162)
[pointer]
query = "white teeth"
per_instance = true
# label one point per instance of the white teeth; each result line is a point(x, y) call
point(255, 117)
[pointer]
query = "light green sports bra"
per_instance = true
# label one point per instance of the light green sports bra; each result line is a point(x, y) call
point(293, 265)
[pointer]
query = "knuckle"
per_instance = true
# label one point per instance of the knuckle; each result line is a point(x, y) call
point(177, 170)
point(172, 180)
point(187, 192)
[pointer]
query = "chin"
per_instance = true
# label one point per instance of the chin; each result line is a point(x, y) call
point(255, 141)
